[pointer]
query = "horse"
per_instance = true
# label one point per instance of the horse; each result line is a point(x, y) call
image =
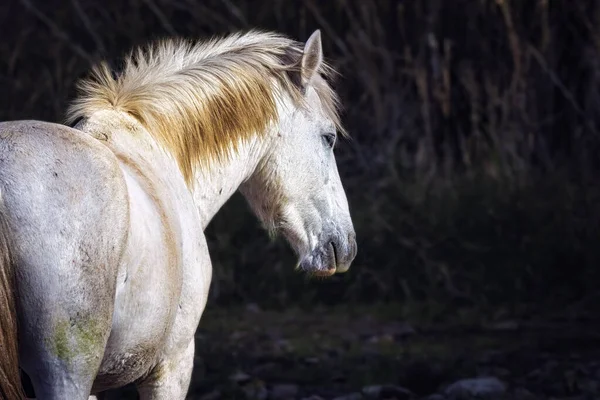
point(104, 266)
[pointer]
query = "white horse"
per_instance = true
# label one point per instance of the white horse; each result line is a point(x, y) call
point(104, 267)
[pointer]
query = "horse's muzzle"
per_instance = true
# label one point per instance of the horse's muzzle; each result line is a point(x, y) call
point(332, 256)
point(344, 261)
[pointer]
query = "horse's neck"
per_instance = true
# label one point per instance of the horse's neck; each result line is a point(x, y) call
point(216, 184)
point(213, 186)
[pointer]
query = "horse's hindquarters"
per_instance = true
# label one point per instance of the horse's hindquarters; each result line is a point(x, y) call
point(66, 205)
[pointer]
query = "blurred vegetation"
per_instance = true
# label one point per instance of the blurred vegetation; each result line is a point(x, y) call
point(471, 172)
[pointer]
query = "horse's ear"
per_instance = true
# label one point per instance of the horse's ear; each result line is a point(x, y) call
point(312, 57)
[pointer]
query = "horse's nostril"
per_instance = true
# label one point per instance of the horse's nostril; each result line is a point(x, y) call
point(334, 250)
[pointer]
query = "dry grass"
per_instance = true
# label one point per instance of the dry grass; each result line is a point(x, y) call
point(474, 124)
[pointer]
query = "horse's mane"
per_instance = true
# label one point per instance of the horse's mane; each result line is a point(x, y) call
point(200, 99)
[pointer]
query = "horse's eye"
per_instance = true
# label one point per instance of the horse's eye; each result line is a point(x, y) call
point(329, 139)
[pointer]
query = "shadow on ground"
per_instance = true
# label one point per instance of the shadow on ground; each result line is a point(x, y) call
point(368, 354)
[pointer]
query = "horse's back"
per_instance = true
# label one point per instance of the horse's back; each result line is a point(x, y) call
point(66, 202)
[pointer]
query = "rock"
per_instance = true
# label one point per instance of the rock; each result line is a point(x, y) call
point(435, 397)
point(239, 377)
point(372, 391)
point(385, 338)
point(504, 326)
point(282, 346)
point(351, 396)
point(312, 360)
point(255, 390)
point(284, 391)
point(387, 391)
point(214, 395)
point(237, 336)
point(265, 368)
point(481, 388)
point(401, 329)
point(253, 308)
point(523, 394)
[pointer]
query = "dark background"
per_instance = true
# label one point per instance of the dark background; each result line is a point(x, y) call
point(471, 176)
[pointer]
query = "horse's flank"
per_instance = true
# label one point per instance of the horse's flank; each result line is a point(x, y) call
point(200, 100)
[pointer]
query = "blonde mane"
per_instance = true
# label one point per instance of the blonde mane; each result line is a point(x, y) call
point(200, 99)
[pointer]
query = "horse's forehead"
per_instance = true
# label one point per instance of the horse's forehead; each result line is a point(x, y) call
point(318, 112)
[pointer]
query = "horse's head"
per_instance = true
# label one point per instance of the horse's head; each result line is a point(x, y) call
point(296, 189)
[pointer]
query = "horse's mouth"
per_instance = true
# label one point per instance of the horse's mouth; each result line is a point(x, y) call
point(332, 267)
point(324, 272)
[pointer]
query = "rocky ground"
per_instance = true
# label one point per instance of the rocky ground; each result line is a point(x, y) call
point(366, 354)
